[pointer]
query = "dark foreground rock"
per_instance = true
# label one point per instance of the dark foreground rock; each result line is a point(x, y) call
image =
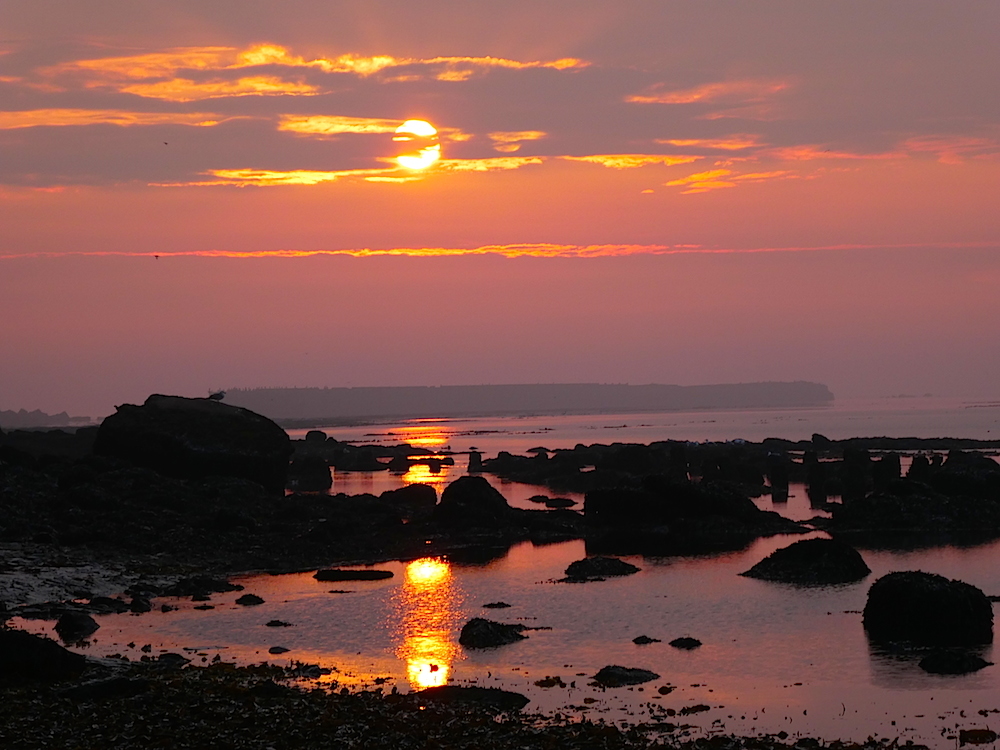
point(812, 562)
point(472, 501)
point(337, 574)
point(24, 656)
point(953, 661)
point(75, 626)
point(616, 676)
point(190, 438)
point(927, 609)
point(593, 568)
point(503, 700)
point(482, 633)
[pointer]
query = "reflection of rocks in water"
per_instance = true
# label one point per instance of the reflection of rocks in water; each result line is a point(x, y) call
point(953, 661)
point(898, 666)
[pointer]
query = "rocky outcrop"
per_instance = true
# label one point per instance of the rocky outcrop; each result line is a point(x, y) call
point(811, 562)
point(927, 609)
point(471, 501)
point(482, 633)
point(598, 568)
point(190, 438)
point(338, 574)
point(29, 657)
point(616, 676)
point(414, 501)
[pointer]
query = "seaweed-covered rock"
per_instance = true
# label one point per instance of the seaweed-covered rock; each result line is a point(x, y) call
point(482, 633)
point(30, 657)
point(927, 609)
point(599, 567)
point(504, 700)
point(811, 561)
point(616, 676)
point(191, 438)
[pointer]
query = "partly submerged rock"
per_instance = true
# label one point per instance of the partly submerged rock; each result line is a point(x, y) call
point(927, 609)
point(30, 657)
point(75, 626)
point(482, 633)
point(249, 600)
point(616, 676)
point(643, 640)
point(190, 438)
point(811, 561)
point(953, 661)
point(685, 643)
point(339, 574)
point(504, 700)
point(599, 567)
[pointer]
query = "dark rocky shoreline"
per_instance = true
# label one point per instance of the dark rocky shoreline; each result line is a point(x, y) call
point(77, 525)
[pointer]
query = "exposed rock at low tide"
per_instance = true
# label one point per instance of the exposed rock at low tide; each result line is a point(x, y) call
point(471, 501)
point(927, 609)
point(812, 561)
point(594, 568)
point(643, 640)
point(249, 600)
point(616, 676)
point(686, 643)
point(482, 633)
point(75, 626)
point(25, 656)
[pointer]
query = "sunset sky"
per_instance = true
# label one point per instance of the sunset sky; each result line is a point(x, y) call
point(648, 191)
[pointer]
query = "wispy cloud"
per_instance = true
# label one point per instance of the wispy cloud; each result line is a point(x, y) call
point(186, 90)
point(703, 182)
point(952, 149)
point(735, 142)
point(510, 141)
point(746, 90)
point(66, 117)
point(813, 152)
point(633, 161)
point(488, 165)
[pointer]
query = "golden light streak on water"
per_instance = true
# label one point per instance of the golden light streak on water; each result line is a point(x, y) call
point(427, 606)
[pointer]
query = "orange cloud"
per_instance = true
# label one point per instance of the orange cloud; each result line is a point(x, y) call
point(61, 117)
point(745, 90)
point(633, 161)
point(736, 142)
point(703, 182)
point(488, 165)
point(269, 178)
point(510, 141)
point(330, 125)
point(185, 90)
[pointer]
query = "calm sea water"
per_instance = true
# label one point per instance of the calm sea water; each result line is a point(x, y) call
point(775, 657)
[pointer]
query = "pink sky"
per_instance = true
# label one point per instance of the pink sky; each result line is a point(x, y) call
point(646, 147)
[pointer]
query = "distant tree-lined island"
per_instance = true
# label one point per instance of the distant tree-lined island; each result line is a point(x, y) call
point(313, 406)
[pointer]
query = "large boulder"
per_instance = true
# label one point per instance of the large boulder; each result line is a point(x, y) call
point(197, 437)
point(927, 609)
point(27, 656)
point(811, 561)
point(472, 501)
point(597, 568)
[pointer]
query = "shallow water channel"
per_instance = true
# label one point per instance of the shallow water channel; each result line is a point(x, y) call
point(774, 657)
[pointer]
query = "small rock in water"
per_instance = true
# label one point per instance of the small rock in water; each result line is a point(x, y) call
point(480, 633)
point(685, 643)
point(616, 676)
point(75, 626)
point(560, 502)
point(278, 650)
point(496, 605)
point(249, 600)
point(278, 624)
point(642, 640)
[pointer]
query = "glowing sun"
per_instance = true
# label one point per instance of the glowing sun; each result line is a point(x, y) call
point(422, 148)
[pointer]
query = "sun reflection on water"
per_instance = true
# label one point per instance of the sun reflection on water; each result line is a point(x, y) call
point(428, 609)
point(425, 434)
